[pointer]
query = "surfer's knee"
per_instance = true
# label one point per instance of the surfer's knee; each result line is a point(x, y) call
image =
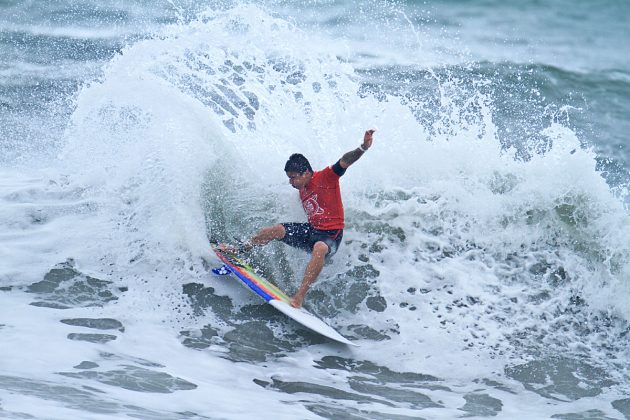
point(320, 248)
point(278, 232)
point(268, 234)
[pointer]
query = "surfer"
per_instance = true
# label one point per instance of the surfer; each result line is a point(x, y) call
point(321, 200)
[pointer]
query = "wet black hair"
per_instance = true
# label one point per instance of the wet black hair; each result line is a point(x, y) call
point(297, 163)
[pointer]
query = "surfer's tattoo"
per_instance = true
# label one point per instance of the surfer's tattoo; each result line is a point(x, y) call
point(352, 156)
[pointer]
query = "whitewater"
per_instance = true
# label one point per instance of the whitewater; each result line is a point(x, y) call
point(485, 262)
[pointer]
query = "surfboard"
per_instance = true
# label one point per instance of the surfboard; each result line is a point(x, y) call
point(235, 264)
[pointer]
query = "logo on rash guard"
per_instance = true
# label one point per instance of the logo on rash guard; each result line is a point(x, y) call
point(311, 206)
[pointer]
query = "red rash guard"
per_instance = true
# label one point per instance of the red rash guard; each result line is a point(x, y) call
point(321, 200)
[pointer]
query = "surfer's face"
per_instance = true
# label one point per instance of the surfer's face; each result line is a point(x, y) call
point(299, 180)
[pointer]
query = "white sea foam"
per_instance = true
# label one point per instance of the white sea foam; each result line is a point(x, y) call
point(183, 129)
point(139, 147)
point(18, 71)
point(75, 32)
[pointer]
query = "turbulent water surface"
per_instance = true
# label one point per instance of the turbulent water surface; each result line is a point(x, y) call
point(485, 263)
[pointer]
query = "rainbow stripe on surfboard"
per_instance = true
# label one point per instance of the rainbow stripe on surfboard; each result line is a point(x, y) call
point(247, 275)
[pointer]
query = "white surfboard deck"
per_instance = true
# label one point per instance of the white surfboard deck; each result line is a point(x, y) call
point(309, 320)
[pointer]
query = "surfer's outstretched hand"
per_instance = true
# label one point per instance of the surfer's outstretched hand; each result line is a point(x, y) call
point(367, 139)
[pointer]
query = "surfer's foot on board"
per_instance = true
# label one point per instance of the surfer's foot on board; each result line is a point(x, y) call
point(296, 302)
point(235, 249)
point(228, 248)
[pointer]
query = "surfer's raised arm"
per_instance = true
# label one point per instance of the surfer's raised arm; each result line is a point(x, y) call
point(354, 155)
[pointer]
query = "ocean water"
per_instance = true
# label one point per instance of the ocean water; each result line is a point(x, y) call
point(485, 264)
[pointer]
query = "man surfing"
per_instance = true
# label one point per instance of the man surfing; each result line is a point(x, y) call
point(321, 200)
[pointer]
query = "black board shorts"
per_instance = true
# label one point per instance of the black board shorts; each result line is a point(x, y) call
point(304, 236)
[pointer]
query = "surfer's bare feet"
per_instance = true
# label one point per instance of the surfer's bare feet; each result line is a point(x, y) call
point(228, 248)
point(296, 302)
